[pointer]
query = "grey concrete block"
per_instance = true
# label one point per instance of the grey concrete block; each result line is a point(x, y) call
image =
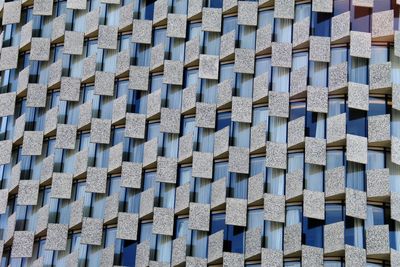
point(104, 83)
point(7, 104)
point(215, 246)
point(40, 49)
point(377, 240)
point(236, 211)
point(135, 125)
point(96, 181)
point(379, 129)
point(279, 104)
point(258, 135)
point(218, 193)
point(23, 80)
point(378, 184)
point(356, 150)
point(179, 251)
point(157, 57)
point(284, 9)
point(211, 19)
point(395, 206)
point(89, 68)
point(325, 6)
point(247, 13)
point(281, 55)
point(363, 3)
point(176, 25)
point(146, 203)
point(296, 132)
point(189, 97)
point(227, 45)
point(19, 128)
point(395, 153)
point(166, 170)
point(294, 185)
point(100, 131)
point(264, 39)
point(76, 216)
point(81, 162)
point(28, 191)
point(8, 58)
point(255, 193)
point(261, 87)
point(314, 204)
point(382, 25)
point(224, 93)
point(170, 120)
point(244, 60)
point(57, 235)
point(315, 151)
point(253, 243)
point(334, 238)
point(292, 239)
point(70, 89)
point(173, 72)
point(242, 109)
point(358, 96)
point(229, 6)
point(274, 208)
point(54, 76)
point(205, 115)
point(337, 77)
point(209, 67)
point(123, 63)
point(92, 231)
point(239, 159)
point(163, 221)
point(108, 37)
point(340, 29)
point(66, 136)
point(233, 259)
point(335, 182)
point(37, 95)
point(320, 48)
point(26, 35)
point(73, 43)
point(298, 82)
point(111, 207)
point(141, 31)
point(380, 76)
point(336, 129)
point(202, 165)
point(92, 22)
point(276, 155)
point(58, 29)
point(221, 142)
point(317, 99)
point(360, 44)
point(3, 200)
point(119, 109)
point(131, 175)
point(192, 51)
point(12, 12)
point(139, 78)
point(182, 198)
point(143, 253)
point(271, 257)
point(85, 115)
point(312, 256)
point(22, 246)
point(199, 216)
point(185, 147)
point(126, 17)
point(61, 185)
point(355, 256)
point(127, 226)
point(33, 142)
point(115, 157)
point(301, 33)
point(356, 203)
point(150, 152)
point(160, 12)
point(194, 9)
point(76, 4)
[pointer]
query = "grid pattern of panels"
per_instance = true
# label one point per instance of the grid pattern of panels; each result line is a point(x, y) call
point(200, 133)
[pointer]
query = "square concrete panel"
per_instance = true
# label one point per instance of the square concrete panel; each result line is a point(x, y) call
point(312, 256)
point(221, 142)
point(119, 109)
point(320, 48)
point(395, 156)
point(202, 165)
point(73, 43)
point(58, 29)
point(33, 142)
point(19, 128)
point(224, 93)
point(22, 246)
point(244, 60)
point(170, 120)
point(239, 160)
point(70, 89)
point(185, 152)
point(23, 79)
point(218, 193)
point(141, 31)
point(317, 99)
point(115, 157)
point(92, 231)
point(276, 155)
point(176, 26)
point(334, 238)
point(382, 25)
point(157, 57)
point(274, 208)
point(281, 55)
point(150, 152)
point(179, 251)
point(194, 9)
point(363, 3)
point(253, 243)
point(28, 191)
point(261, 87)
point(314, 204)
point(380, 76)
point(135, 125)
point(258, 135)
point(173, 72)
point(340, 28)
point(298, 82)
point(182, 198)
point(42, 7)
point(247, 13)
point(233, 259)
point(66, 136)
point(227, 45)
point(111, 206)
point(108, 37)
point(36, 96)
point(55, 73)
point(40, 49)
point(92, 22)
point(146, 203)
point(263, 39)
point(199, 216)
point(294, 185)
point(85, 115)
point(338, 77)
point(279, 104)
point(378, 184)
point(89, 68)
point(211, 19)
point(163, 221)
point(81, 162)
point(76, 4)
point(127, 227)
point(296, 132)
point(271, 257)
point(315, 151)
point(100, 131)
point(356, 150)
point(205, 115)
point(358, 96)
point(241, 109)
point(379, 129)
point(166, 170)
point(61, 186)
point(12, 12)
point(336, 129)
point(236, 211)
point(143, 253)
point(209, 67)
point(325, 6)
point(215, 247)
point(292, 239)
point(126, 17)
point(76, 215)
point(160, 12)
point(104, 83)
point(356, 203)
point(57, 235)
point(3, 200)
point(7, 104)
point(377, 240)
point(96, 181)
point(123, 63)
point(301, 33)
point(196, 261)
point(192, 51)
point(360, 44)
point(355, 256)
point(284, 9)
point(335, 182)
point(229, 6)
point(131, 175)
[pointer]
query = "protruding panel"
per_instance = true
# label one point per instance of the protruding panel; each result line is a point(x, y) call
point(182, 198)
point(276, 155)
point(215, 247)
point(382, 25)
point(335, 183)
point(100, 131)
point(281, 55)
point(96, 181)
point(340, 29)
point(377, 241)
point(199, 216)
point(141, 31)
point(301, 33)
point(241, 109)
point(314, 204)
point(312, 256)
point(320, 48)
point(334, 239)
point(92, 231)
point(244, 60)
point(315, 151)
point(271, 257)
point(284, 9)
point(205, 115)
point(317, 99)
point(22, 246)
point(378, 187)
point(236, 211)
point(127, 227)
point(355, 256)
point(255, 193)
point(360, 44)
point(274, 208)
point(279, 104)
point(131, 175)
point(356, 203)
point(292, 240)
point(211, 19)
point(239, 160)
point(296, 132)
point(356, 150)
point(338, 78)
point(247, 13)
point(218, 193)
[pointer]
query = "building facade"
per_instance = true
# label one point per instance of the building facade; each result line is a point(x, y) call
point(200, 133)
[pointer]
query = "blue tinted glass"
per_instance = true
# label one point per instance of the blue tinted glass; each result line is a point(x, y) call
point(356, 122)
point(321, 24)
point(297, 110)
point(149, 9)
point(377, 106)
point(313, 232)
point(223, 120)
point(215, 3)
point(217, 222)
point(128, 253)
point(333, 213)
point(235, 238)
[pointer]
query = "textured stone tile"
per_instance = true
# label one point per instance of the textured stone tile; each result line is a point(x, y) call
point(40, 49)
point(378, 184)
point(236, 211)
point(227, 45)
point(255, 194)
point(281, 55)
point(211, 19)
point(104, 83)
point(382, 25)
point(57, 235)
point(199, 216)
point(115, 157)
point(189, 97)
point(336, 129)
point(233, 259)
point(131, 175)
point(92, 231)
point(264, 39)
point(340, 28)
point(28, 191)
point(179, 251)
point(76, 216)
point(202, 165)
point(394, 257)
point(258, 135)
point(81, 162)
point(221, 142)
point(22, 246)
point(239, 159)
point(150, 152)
point(335, 182)
point(261, 87)
point(395, 206)
point(244, 60)
point(36, 96)
point(170, 120)
point(355, 256)
point(157, 57)
point(11, 223)
point(314, 204)
point(292, 239)
point(119, 109)
point(143, 253)
point(192, 51)
point(42, 218)
point(377, 240)
point(173, 72)
point(182, 198)
point(58, 28)
point(301, 32)
point(3, 200)
point(360, 44)
point(135, 125)
point(141, 31)
point(317, 99)
point(26, 35)
point(111, 207)
point(176, 25)
point(379, 129)
point(107, 256)
point(185, 152)
point(229, 6)
point(32, 145)
point(76, 4)
point(122, 63)
point(163, 223)
point(274, 208)
point(12, 12)
point(89, 68)
point(61, 185)
point(356, 203)
point(320, 48)
point(279, 104)
point(19, 128)
point(126, 17)
point(146, 203)
point(70, 89)
point(7, 104)
point(15, 177)
point(85, 115)
point(380, 76)
point(54, 76)
point(205, 115)
point(218, 193)
point(395, 153)
point(100, 131)
point(396, 96)
point(333, 238)
point(296, 132)
point(23, 80)
point(312, 256)
point(315, 151)
point(194, 9)
point(363, 3)
point(253, 243)
point(325, 6)
point(96, 181)
point(209, 67)
point(215, 246)
point(160, 12)
point(358, 96)
point(9, 57)
point(73, 43)
point(356, 150)
point(337, 77)
point(127, 227)
point(108, 37)
point(298, 82)
point(92, 22)
point(284, 9)
point(66, 136)
point(167, 170)
point(242, 109)
point(271, 257)
point(276, 155)
point(294, 185)
point(247, 13)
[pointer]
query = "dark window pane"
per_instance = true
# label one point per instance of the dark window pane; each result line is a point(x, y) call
point(234, 239)
point(333, 213)
point(360, 19)
point(340, 6)
point(356, 122)
point(128, 253)
point(223, 120)
point(313, 232)
point(297, 110)
point(215, 3)
point(217, 222)
point(321, 24)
